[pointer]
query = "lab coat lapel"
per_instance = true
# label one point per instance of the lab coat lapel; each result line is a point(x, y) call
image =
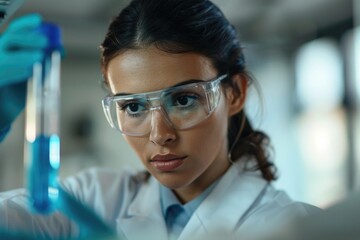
point(144, 220)
point(226, 205)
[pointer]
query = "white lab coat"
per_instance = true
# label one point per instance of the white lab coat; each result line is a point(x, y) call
point(241, 203)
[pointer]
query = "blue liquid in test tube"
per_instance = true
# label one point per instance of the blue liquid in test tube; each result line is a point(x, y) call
point(43, 172)
point(42, 142)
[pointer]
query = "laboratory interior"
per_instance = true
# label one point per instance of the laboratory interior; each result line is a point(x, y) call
point(304, 56)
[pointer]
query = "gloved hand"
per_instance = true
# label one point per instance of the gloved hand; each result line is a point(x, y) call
point(90, 225)
point(20, 47)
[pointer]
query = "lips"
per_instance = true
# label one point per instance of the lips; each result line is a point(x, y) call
point(168, 162)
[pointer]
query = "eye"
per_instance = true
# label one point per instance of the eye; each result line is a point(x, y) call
point(133, 109)
point(185, 100)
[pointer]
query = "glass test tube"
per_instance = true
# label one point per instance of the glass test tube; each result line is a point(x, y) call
point(42, 142)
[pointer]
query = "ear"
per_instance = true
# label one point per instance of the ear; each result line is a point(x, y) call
point(236, 94)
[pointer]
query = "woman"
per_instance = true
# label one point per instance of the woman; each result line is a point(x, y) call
point(177, 85)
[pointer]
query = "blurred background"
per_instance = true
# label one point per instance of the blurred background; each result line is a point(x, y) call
point(304, 55)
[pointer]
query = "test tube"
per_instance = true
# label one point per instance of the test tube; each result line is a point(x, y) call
point(42, 142)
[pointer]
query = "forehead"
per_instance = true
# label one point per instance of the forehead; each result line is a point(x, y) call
point(150, 69)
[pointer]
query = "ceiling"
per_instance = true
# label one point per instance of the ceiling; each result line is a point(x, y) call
point(84, 22)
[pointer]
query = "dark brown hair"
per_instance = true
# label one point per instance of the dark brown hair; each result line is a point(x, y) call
point(179, 26)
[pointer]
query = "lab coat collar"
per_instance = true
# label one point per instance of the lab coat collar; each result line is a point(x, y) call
point(227, 205)
point(144, 219)
point(223, 210)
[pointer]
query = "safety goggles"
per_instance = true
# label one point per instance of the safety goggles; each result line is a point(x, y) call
point(183, 106)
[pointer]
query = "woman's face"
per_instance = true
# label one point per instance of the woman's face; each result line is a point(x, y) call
point(184, 160)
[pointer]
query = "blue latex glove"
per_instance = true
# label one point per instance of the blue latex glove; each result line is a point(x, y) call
point(89, 223)
point(91, 226)
point(20, 47)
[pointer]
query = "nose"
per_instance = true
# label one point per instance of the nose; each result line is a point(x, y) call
point(162, 132)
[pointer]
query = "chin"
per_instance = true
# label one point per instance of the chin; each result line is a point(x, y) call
point(172, 180)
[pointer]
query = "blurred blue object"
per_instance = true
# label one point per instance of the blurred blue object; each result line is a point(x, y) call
point(3, 132)
point(90, 225)
point(20, 47)
point(14, 236)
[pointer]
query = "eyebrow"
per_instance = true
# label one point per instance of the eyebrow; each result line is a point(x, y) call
point(176, 85)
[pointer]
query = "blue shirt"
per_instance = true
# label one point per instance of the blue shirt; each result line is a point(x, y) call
point(177, 215)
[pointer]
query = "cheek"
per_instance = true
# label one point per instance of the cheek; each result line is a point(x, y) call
point(206, 139)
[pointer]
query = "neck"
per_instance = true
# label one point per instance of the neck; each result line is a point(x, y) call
point(190, 192)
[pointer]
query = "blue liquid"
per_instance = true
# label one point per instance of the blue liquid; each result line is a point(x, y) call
point(43, 171)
